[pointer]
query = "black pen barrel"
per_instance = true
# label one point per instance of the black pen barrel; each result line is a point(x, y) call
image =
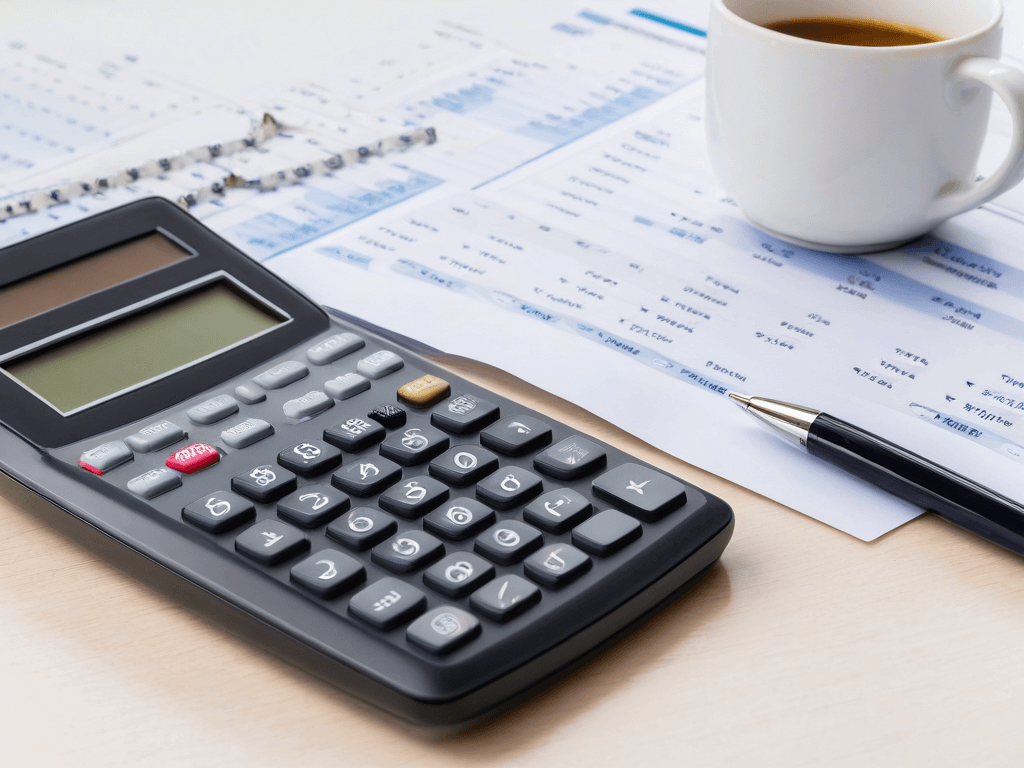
point(923, 483)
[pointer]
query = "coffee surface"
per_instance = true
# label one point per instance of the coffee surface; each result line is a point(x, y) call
point(868, 32)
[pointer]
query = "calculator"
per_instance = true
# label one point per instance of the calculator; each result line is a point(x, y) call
point(428, 546)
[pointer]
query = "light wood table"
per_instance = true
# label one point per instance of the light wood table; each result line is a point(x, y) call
point(803, 646)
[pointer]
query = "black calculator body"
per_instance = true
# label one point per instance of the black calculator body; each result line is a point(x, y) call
point(428, 546)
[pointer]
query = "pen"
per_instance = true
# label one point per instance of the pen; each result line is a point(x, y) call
point(886, 465)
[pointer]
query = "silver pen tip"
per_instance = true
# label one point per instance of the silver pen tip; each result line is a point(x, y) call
point(742, 400)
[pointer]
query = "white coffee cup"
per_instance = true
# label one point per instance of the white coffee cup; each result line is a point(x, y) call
point(853, 149)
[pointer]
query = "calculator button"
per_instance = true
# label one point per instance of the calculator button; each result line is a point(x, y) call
point(516, 435)
point(219, 511)
point(390, 416)
point(443, 629)
point(353, 435)
point(245, 434)
point(158, 435)
point(464, 414)
point(379, 364)
point(213, 410)
point(463, 464)
point(414, 498)
point(347, 385)
point(407, 551)
point(334, 347)
point(328, 573)
point(606, 532)
point(558, 510)
point(571, 459)
point(556, 565)
point(367, 476)
point(362, 528)
point(307, 406)
point(459, 574)
point(104, 458)
point(151, 484)
point(425, 391)
point(271, 542)
point(508, 541)
point(192, 458)
point(312, 505)
point(387, 603)
point(282, 375)
point(504, 597)
point(642, 492)
point(459, 519)
point(250, 394)
point(264, 483)
point(309, 458)
point(415, 445)
point(508, 487)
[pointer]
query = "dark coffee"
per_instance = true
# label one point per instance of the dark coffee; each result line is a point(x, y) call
point(855, 31)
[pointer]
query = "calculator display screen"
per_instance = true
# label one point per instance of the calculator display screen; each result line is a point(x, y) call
point(144, 346)
point(87, 275)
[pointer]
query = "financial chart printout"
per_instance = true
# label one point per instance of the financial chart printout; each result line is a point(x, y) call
point(567, 227)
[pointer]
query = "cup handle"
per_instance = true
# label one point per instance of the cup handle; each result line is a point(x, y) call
point(1008, 83)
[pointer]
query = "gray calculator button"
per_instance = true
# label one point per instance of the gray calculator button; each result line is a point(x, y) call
point(154, 482)
point(330, 349)
point(310, 404)
point(379, 364)
point(156, 436)
point(347, 385)
point(249, 394)
point(104, 458)
point(213, 410)
point(245, 434)
point(281, 375)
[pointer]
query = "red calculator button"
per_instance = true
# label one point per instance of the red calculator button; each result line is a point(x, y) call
point(192, 458)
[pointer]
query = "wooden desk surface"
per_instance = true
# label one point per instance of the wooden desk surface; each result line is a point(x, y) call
point(803, 646)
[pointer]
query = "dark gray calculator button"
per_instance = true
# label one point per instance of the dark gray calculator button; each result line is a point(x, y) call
point(245, 434)
point(367, 476)
point(353, 435)
point(508, 541)
point(158, 435)
point(387, 415)
point(213, 410)
point(281, 375)
point(459, 519)
point(414, 497)
point(407, 551)
point(307, 406)
point(219, 511)
point(250, 394)
point(558, 510)
point(104, 458)
point(464, 414)
point(362, 528)
point(509, 487)
point(463, 464)
point(443, 629)
point(271, 542)
point(606, 532)
point(571, 458)
point(516, 435)
point(328, 573)
point(415, 445)
point(309, 458)
point(151, 484)
point(387, 603)
point(379, 364)
point(312, 505)
point(264, 483)
point(347, 385)
point(641, 491)
point(334, 347)
point(505, 597)
point(458, 574)
point(556, 565)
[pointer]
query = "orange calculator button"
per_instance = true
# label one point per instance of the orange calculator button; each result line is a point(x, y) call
point(424, 391)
